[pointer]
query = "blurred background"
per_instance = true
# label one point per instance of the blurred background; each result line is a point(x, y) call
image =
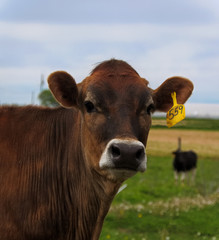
point(159, 39)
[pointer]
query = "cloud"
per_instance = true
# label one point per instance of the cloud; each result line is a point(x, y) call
point(114, 11)
point(211, 6)
point(157, 51)
point(158, 38)
point(139, 32)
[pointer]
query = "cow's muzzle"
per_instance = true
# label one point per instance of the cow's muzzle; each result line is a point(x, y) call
point(123, 155)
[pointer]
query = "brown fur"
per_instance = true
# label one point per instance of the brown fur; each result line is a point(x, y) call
point(42, 187)
point(51, 184)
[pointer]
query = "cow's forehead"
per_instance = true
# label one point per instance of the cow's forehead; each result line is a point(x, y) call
point(115, 80)
point(114, 66)
point(117, 88)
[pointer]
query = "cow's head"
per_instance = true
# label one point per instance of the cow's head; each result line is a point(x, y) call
point(116, 106)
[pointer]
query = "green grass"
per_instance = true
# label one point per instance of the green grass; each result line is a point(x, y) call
point(153, 207)
point(195, 224)
point(189, 123)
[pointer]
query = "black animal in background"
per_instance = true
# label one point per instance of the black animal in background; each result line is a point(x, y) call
point(184, 162)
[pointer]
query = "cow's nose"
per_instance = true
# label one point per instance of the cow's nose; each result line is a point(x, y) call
point(127, 155)
point(124, 154)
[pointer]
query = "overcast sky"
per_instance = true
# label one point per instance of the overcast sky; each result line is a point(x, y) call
point(158, 38)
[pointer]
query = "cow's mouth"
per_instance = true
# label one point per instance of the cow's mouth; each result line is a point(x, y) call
point(126, 168)
point(120, 174)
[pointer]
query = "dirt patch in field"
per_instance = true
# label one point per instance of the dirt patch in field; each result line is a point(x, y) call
point(162, 142)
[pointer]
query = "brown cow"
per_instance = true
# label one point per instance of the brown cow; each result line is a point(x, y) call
point(60, 168)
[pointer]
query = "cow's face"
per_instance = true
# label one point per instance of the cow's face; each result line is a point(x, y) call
point(116, 106)
point(116, 110)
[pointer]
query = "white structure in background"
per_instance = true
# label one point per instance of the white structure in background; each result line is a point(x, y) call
point(199, 110)
point(202, 110)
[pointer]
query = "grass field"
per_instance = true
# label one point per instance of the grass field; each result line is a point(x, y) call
point(153, 207)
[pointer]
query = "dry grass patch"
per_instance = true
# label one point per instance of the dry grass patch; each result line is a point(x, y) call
point(171, 206)
point(161, 142)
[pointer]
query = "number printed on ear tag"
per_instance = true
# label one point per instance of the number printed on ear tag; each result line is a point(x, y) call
point(176, 113)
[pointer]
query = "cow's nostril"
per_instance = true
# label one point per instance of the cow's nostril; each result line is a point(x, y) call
point(139, 154)
point(124, 154)
point(115, 151)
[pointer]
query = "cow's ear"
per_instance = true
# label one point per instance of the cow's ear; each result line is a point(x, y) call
point(64, 88)
point(162, 95)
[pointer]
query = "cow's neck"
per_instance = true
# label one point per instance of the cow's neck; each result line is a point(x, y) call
point(106, 191)
point(92, 205)
point(91, 196)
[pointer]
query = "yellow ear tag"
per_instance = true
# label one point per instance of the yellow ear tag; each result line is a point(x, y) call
point(176, 113)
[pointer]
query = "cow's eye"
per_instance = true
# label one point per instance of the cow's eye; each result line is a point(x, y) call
point(89, 106)
point(150, 109)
